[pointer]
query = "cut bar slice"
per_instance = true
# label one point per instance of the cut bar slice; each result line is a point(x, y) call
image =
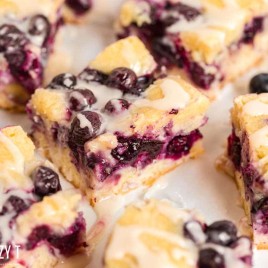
point(114, 127)
point(157, 234)
point(246, 160)
point(210, 41)
point(27, 33)
point(43, 218)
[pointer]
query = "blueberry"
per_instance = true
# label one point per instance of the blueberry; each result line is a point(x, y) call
point(26, 68)
point(63, 81)
point(89, 75)
point(143, 82)
point(221, 232)
point(127, 149)
point(46, 181)
point(122, 78)
point(79, 6)
point(209, 258)
point(84, 127)
point(81, 98)
point(259, 83)
point(11, 38)
point(14, 203)
point(116, 106)
point(39, 26)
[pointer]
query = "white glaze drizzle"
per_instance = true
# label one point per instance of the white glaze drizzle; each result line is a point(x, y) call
point(215, 22)
point(255, 108)
point(102, 93)
point(131, 236)
point(175, 97)
point(84, 122)
point(259, 138)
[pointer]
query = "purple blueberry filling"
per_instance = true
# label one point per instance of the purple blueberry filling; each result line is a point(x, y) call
point(80, 7)
point(172, 52)
point(136, 152)
point(234, 150)
point(182, 144)
point(67, 244)
point(252, 29)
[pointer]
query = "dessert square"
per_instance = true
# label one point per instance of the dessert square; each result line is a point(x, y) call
point(210, 42)
point(158, 234)
point(246, 160)
point(115, 127)
point(44, 220)
point(27, 33)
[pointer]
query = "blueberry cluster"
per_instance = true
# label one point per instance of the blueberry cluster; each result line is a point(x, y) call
point(121, 78)
point(220, 233)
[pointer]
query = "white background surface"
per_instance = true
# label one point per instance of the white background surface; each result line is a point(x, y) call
point(196, 184)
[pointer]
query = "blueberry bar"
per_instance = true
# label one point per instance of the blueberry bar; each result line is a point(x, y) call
point(27, 34)
point(75, 10)
point(43, 218)
point(157, 234)
point(115, 127)
point(246, 160)
point(208, 41)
